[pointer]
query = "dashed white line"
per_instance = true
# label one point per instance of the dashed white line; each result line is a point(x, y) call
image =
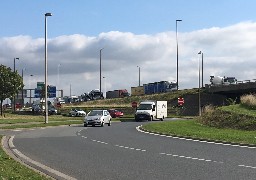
point(188, 157)
point(131, 148)
point(252, 167)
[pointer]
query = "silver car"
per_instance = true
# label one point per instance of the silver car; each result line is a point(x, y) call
point(97, 117)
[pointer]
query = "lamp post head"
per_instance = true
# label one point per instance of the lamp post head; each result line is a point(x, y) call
point(200, 52)
point(178, 20)
point(48, 14)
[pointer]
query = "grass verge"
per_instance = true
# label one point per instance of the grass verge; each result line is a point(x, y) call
point(190, 128)
point(32, 125)
point(10, 169)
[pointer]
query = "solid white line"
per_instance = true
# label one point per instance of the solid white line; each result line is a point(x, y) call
point(43, 166)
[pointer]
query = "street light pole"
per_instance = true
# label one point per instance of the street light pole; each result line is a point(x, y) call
point(14, 70)
point(202, 69)
point(139, 74)
point(178, 20)
point(22, 94)
point(199, 77)
point(14, 64)
point(105, 86)
point(46, 70)
point(100, 68)
point(58, 83)
point(30, 89)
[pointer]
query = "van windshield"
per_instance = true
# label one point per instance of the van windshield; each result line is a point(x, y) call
point(144, 107)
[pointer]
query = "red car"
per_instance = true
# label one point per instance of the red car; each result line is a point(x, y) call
point(115, 113)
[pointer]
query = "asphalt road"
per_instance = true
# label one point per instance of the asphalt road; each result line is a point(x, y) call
point(123, 152)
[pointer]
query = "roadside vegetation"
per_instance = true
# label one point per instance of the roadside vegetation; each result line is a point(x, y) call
point(11, 169)
point(235, 123)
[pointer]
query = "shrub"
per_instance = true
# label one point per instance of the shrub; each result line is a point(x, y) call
point(215, 117)
point(249, 101)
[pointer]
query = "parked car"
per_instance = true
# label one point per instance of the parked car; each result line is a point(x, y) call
point(52, 110)
point(97, 117)
point(115, 113)
point(77, 112)
point(7, 106)
point(38, 108)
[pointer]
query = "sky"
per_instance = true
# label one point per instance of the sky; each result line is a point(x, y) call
point(131, 34)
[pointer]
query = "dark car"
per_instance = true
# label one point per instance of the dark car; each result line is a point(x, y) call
point(115, 113)
point(7, 106)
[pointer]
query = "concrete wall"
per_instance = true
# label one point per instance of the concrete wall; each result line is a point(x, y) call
point(191, 107)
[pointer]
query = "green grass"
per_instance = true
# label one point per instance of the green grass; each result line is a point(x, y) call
point(239, 109)
point(10, 169)
point(13, 121)
point(42, 124)
point(190, 128)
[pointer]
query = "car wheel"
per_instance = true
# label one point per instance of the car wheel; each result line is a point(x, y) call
point(85, 125)
point(109, 124)
point(151, 118)
point(102, 124)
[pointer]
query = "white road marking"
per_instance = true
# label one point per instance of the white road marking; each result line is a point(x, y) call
point(196, 140)
point(188, 157)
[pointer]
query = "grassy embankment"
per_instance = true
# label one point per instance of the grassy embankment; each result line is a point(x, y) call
point(234, 123)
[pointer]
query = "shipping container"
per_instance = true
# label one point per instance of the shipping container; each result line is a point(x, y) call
point(117, 94)
point(137, 91)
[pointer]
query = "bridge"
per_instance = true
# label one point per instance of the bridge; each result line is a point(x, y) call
point(242, 87)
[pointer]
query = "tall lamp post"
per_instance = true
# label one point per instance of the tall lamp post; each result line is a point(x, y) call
point(178, 20)
point(14, 70)
point(22, 93)
point(202, 70)
point(58, 83)
point(31, 75)
point(199, 77)
point(139, 74)
point(100, 68)
point(105, 86)
point(46, 70)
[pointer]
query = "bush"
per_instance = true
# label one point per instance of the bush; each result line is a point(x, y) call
point(249, 101)
point(215, 117)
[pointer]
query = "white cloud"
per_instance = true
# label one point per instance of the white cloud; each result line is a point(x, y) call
point(228, 51)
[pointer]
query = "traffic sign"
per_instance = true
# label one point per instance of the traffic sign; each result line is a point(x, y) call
point(134, 104)
point(181, 101)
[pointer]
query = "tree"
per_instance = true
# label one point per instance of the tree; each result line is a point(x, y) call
point(10, 83)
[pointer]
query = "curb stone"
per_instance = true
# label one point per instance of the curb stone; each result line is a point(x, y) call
point(200, 139)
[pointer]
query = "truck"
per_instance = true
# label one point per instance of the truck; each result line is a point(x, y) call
point(218, 80)
point(117, 93)
point(151, 110)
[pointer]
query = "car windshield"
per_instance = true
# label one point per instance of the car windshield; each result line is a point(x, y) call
point(95, 113)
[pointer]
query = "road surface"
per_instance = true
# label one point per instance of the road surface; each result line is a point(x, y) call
point(121, 151)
